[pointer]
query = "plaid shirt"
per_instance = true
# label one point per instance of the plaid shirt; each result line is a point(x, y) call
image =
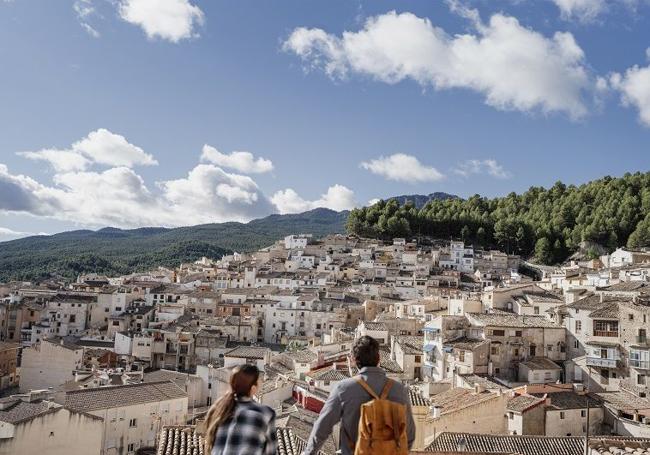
point(250, 431)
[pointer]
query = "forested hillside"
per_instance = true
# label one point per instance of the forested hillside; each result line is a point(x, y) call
point(116, 251)
point(547, 223)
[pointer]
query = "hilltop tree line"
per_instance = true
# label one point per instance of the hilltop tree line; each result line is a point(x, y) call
point(549, 224)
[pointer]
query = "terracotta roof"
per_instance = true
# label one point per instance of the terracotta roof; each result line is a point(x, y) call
point(119, 396)
point(247, 352)
point(520, 403)
point(18, 410)
point(180, 440)
point(511, 320)
point(416, 398)
point(570, 400)
point(455, 399)
point(411, 345)
point(524, 445)
point(541, 363)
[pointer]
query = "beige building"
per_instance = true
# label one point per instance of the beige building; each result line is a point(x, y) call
point(30, 425)
point(48, 364)
point(132, 414)
point(467, 411)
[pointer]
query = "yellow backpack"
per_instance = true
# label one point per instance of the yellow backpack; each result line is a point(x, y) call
point(382, 426)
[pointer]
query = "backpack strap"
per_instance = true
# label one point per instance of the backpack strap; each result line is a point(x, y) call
point(386, 389)
point(366, 387)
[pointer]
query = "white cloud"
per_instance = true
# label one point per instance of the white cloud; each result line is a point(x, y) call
point(100, 146)
point(514, 67)
point(60, 160)
point(337, 197)
point(581, 10)
point(7, 234)
point(119, 197)
point(490, 167)
point(240, 161)
point(85, 10)
point(171, 20)
point(373, 201)
point(634, 87)
point(402, 167)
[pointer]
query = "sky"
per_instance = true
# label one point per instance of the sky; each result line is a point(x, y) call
point(133, 113)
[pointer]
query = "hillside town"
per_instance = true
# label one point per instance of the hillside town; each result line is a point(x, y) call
point(499, 355)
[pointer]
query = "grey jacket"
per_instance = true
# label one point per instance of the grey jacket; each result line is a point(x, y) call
point(344, 405)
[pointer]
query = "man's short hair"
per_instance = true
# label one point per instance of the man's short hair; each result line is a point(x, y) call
point(366, 352)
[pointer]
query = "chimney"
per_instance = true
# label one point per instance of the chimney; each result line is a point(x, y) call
point(478, 388)
point(434, 411)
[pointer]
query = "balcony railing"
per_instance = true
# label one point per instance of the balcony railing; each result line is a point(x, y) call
point(602, 363)
point(640, 364)
point(605, 333)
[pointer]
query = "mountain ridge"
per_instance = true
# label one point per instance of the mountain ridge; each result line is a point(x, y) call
point(112, 250)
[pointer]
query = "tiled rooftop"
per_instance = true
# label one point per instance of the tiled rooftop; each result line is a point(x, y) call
point(180, 440)
point(248, 352)
point(511, 320)
point(520, 403)
point(118, 396)
point(524, 445)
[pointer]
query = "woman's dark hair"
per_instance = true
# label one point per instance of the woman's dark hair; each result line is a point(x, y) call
point(242, 380)
point(366, 352)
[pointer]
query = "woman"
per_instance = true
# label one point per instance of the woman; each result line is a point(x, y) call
point(238, 425)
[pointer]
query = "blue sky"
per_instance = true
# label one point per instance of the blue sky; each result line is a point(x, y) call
point(126, 113)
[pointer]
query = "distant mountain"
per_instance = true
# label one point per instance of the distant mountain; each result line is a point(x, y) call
point(420, 200)
point(116, 251)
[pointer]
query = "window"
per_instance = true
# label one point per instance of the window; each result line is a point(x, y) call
point(498, 333)
point(576, 345)
point(606, 328)
point(461, 356)
point(578, 326)
point(131, 447)
point(561, 415)
point(630, 317)
point(133, 423)
point(209, 385)
point(418, 359)
point(641, 379)
point(494, 350)
point(583, 413)
point(518, 333)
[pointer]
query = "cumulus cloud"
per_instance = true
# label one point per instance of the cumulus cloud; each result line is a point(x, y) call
point(402, 168)
point(100, 146)
point(337, 197)
point(171, 20)
point(581, 10)
point(634, 88)
point(512, 66)
point(240, 161)
point(119, 197)
point(489, 167)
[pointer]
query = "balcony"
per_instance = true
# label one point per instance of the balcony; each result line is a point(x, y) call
point(606, 333)
point(642, 340)
point(601, 363)
point(640, 364)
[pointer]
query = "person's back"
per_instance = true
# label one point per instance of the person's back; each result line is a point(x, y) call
point(345, 400)
point(247, 431)
point(238, 425)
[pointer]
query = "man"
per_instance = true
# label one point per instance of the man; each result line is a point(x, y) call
point(346, 398)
